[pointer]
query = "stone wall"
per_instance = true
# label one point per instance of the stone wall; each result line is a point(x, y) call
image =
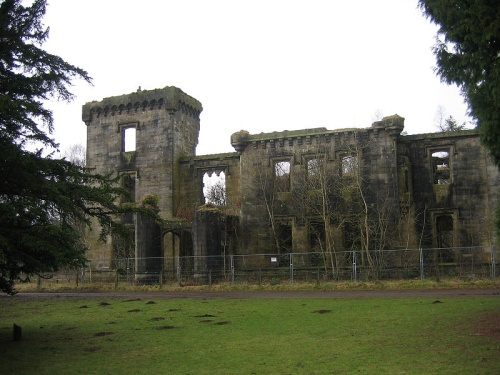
point(166, 125)
point(463, 186)
point(293, 191)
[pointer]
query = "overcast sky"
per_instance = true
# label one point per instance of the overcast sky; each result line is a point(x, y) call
point(259, 65)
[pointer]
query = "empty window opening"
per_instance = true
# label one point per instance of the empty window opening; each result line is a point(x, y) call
point(349, 165)
point(441, 167)
point(317, 243)
point(315, 170)
point(317, 236)
point(284, 234)
point(129, 139)
point(444, 237)
point(282, 176)
point(214, 188)
point(128, 184)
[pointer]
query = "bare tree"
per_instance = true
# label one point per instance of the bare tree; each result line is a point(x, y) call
point(76, 154)
point(378, 115)
point(216, 193)
point(446, 123)
point(318, 199)
point(268, 181)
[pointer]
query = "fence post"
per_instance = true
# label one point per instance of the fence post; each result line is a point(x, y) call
point(493, 264)
point(129, 281)
point(421, 263)
point(291, 268)
point(354, 267)
point(232, 268)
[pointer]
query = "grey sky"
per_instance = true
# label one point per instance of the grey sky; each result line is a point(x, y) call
point(255, 65)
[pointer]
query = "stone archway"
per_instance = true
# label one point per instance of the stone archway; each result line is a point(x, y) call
point(177, 248)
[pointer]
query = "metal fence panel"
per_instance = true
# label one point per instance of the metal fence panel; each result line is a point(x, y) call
point(465, 263)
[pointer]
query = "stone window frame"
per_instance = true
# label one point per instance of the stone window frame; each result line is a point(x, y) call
point(433, 171)
point(210, 171)
point(342, 169)
point(435, 215)
point(122, 128)
point(308, 159)
point(286, 221)
point(318, 239)
point(288, 186)
point(134, 174)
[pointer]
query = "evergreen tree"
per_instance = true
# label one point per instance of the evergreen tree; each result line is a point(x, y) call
point(468, 55)
point(41, 198)
point(451, 125)
point(467, 51)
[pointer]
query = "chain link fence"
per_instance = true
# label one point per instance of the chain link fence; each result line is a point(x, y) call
point(466, 263)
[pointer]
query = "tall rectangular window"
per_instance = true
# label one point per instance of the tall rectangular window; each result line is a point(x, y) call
point(444, 238)
point(284, 234)
point(128, 184)
point(441, 167)
point(315, 172)
point(129, 139)
point(282, 176)
point(214, 187)
point(349, 165)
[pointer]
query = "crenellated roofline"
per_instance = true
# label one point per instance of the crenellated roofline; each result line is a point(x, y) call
point(170, 99)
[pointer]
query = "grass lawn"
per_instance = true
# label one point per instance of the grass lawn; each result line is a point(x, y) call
point(249, 336)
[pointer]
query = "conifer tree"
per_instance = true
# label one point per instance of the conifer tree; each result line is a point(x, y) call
point(467, 54)
point(41, 197)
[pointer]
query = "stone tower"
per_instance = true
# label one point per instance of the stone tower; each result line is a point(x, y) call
point(141, 136)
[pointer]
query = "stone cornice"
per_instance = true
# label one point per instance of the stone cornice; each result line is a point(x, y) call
point(170, 99)
point(442, 135)
point(394, 125)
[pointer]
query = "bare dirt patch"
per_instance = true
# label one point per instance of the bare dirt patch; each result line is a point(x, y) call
point(488, 325)
point(205, 316)
point(100, 334)
point(164, 327)
point(322, 311)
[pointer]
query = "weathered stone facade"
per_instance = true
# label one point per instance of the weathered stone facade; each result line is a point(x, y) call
point(291, 191)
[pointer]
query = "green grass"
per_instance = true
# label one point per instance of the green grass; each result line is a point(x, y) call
point(248, 336)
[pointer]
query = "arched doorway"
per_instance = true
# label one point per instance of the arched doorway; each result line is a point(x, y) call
point(177, 245)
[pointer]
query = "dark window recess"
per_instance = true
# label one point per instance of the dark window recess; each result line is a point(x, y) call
point(128, 184)
point(444, 237)
point(284, 233)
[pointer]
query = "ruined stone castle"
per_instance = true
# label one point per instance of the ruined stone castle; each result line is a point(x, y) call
point(303, 191)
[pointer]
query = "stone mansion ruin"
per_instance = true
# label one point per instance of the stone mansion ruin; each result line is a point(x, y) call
point(326, 192)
